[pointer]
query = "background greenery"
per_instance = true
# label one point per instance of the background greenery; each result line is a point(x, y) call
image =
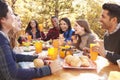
point(42, 10)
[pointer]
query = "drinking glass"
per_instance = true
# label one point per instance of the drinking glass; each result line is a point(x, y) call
point(40, 27)
point(93, 55)
point(52, 53)
point(38, 47)
point(55, 43)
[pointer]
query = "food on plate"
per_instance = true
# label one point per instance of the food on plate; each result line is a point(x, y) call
point(63, 54)
point(73, 60)
point(68, 59)
point(76, 61)
point(28, 49)
point(85, 61)
point(64, 51)
point(38, 63)
point(26, 43)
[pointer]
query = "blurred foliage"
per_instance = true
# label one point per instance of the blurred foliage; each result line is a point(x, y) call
point(42, 10)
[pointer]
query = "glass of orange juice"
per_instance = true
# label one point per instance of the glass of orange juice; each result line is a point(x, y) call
point(22, 32)
point(29, 37)
point(38, 47)
point(52, 53)
point(40, 27)
point(93, 55)
point(55, 43)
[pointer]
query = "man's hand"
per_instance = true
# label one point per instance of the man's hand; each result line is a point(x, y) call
point(100, 48)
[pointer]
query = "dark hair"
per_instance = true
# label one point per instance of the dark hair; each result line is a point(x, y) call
point(29, 28)
point(114, 10)
point(69, 26)
point(3, 11)
point(53, 17)
point(15, 14)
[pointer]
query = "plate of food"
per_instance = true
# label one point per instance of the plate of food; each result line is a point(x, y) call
point(28, 49)
point(75, 62)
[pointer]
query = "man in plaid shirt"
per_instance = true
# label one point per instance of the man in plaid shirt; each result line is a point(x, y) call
point(53, 33)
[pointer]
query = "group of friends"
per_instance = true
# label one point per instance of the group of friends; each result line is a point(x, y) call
point(80, 36)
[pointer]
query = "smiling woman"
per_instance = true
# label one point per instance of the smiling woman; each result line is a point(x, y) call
point(66, 29)
point(84, 34)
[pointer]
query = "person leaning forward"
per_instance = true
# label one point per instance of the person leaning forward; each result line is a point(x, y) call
point(8, 59)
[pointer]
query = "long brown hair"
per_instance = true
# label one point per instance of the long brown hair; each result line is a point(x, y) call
point(83, 23)
point(13, 36)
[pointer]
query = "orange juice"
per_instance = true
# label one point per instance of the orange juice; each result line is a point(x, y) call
point(41, 27)
point(29, 37)
point(22, 32)
point(93, 55)
point(55, 43)
point(52, 53)
point(64, 51)
point(38, 47)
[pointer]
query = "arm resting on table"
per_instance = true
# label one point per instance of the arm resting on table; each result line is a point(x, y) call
point(10, 70)
point(112, 57)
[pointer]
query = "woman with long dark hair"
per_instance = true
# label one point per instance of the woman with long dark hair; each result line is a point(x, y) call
point(66, 29)
point(32, 29)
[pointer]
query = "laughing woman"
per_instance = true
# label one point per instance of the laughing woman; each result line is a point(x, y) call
point(84, 34)
point(8, 59)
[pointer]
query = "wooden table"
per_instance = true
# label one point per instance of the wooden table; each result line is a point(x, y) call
point(104, 67)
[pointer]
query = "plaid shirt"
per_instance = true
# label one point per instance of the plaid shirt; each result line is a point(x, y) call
point(53, 33)
point(8, 66)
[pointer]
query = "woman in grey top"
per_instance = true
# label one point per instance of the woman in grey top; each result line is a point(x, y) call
point(83, 35)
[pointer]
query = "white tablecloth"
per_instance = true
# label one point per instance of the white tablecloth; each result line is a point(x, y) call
point(30, 64)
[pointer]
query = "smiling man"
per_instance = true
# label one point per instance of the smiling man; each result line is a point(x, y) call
point(110, 21)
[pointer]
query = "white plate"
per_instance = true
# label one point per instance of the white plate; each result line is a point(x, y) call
point(92, 66)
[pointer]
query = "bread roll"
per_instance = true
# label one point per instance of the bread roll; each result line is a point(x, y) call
point(75, 62)
point(85, 61)
point(38, 63)
point(68, 59)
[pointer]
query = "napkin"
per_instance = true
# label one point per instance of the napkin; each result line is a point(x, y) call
point(114, 75)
